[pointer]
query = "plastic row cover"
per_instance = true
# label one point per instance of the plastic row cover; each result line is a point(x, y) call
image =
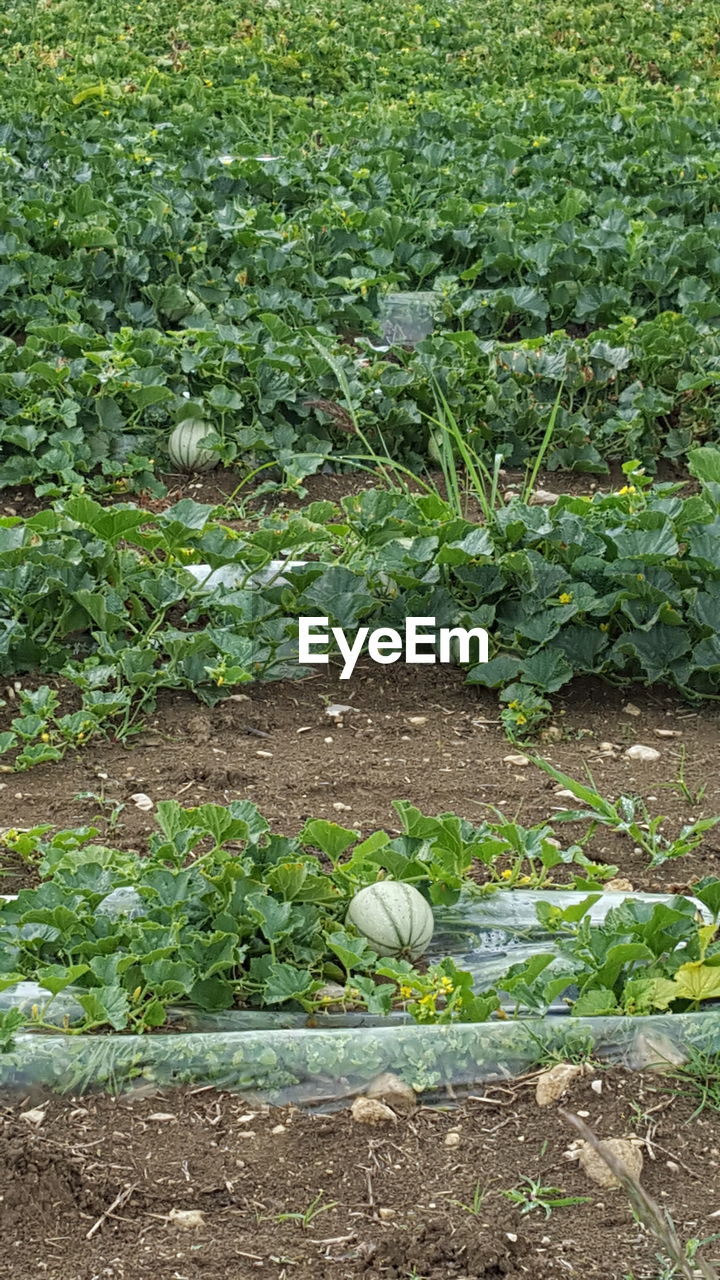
point(322, 1067)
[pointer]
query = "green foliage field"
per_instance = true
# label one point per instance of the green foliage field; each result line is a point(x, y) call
point(547, 171)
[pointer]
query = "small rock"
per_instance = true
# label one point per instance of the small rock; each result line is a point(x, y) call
point(264, 755)
point(279, 1128)
point(162, 1116)
point(606, 747)
point(518, 760)
point(372, 1111)
point(386, 1214)
point(631, 710)
point(418, 720)
point(337, 711)
point(597, 1170)
point(452, 1139)
point(35, 1117)
point(564, 794)
point(619, 885)
point(328, 741)
point(543, 498)
point(556, 1081)
point(394, 1092)
point(339, 807)
point(667, 733)
point(141, 801)
point(647, 755)
point(189, 1219)
point(596, 1086)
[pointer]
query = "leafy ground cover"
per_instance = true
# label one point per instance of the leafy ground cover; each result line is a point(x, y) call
point(220, 913)
point(193, 201)
point(620, 585)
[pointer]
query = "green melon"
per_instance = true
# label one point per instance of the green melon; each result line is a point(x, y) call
point(185, 450)
point(394, 917)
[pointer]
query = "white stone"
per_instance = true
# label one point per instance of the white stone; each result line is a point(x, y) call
point(543, 498)
point(141, 801)
point(556, 1081)
point(394, 1092)
point(646, 755)
point(372, 1111)
point(188, 1219)
point(337, 710)
point(35, 1117)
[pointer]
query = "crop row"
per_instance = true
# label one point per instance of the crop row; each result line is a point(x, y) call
point(220, 914)
point(625, 586)
point(189, 204)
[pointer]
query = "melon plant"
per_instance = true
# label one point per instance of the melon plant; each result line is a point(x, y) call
point(185, 448)
point(394, 917)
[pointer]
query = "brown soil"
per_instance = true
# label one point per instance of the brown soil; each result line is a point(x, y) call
point(417, 734)
point(218, 487)
point(90, 1192)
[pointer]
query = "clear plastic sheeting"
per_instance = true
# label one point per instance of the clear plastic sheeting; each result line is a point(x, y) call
point(508, 919)
point(322, 1067)
point(407, 318)
point(234, 576)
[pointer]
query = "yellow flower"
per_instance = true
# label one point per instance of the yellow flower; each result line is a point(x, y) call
point(44, 737)
point(446, 984)
point(627, 488)
point(208, 84)
point(506, 874)
point(521, 719)
point(566, 597)
point(405, 992)
point(604, 626)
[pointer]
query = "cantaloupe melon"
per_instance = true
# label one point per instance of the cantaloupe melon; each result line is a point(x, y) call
point(185, 450)
point(394, 917)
